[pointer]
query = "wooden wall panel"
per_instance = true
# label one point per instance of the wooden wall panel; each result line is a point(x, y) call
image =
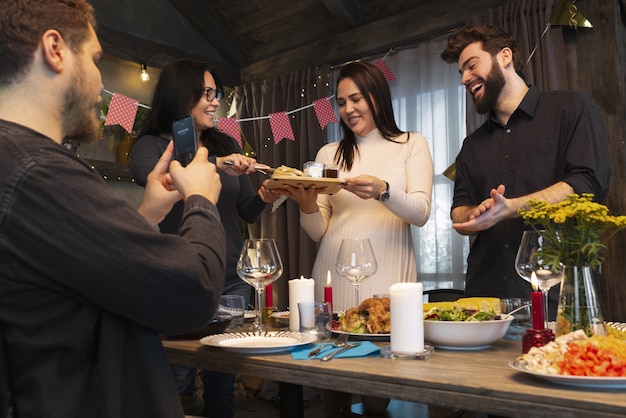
point(596, 66)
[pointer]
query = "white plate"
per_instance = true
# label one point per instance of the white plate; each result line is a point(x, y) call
point(359, 336)
point(249, 314)
point(258, 343)
point(580, 381)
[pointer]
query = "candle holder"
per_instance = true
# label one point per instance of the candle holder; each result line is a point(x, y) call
point(536, 338)
point(268, 318)
point(427, 354)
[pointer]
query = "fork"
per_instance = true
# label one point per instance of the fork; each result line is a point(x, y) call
point(330, 356)
point(256, 168)
point(262, 171)
point(342, 339)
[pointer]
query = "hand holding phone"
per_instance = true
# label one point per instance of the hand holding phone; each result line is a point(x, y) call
point(185, 142)
point(200, 177)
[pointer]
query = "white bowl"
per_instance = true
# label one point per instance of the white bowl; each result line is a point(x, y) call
point(456, 335)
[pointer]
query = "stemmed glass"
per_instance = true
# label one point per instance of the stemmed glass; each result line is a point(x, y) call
point(259, 265)
point(356, 262)
point(528, 260)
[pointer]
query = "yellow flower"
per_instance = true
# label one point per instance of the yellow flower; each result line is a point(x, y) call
point(572, 229)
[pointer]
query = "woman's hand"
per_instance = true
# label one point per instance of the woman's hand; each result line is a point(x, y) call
point(235, 164)
point(267, 195)
point(365, 186)
point(305, 197)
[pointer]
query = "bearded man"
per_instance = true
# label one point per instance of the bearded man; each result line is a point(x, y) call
point(534, 145)
point(87, 283)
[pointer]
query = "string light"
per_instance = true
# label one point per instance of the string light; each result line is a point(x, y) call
point(144, 73)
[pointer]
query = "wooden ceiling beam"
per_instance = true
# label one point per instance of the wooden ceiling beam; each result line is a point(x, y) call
point(342, 11)
point(428, 18)
point(203, 18)
point(157, 55)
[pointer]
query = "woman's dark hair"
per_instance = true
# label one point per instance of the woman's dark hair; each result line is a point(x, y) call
point(375, 90)
point(180, 87)
point(218, 143)
point(492, 38)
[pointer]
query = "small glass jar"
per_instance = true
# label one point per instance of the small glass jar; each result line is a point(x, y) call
point(313, 169)
point(331, 171)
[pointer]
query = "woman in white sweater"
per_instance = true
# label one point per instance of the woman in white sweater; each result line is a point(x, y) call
point(388, 178)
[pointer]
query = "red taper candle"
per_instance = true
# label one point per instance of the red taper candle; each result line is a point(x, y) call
point(269, 297)
point(328, 292)
point(536, 299)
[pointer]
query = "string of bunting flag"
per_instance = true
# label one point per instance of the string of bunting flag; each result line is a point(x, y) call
point(123, 111)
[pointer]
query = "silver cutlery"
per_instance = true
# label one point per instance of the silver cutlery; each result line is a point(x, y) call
point(261, 168)
point(341, 350)
point(341, 341)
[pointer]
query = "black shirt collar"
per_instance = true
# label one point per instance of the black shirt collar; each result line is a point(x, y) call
point(527, 105)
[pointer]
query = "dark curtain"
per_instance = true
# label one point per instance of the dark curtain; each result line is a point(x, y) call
point(526, 20)
point(288, 92)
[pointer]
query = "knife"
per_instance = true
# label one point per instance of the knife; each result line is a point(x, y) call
point(341, 350)
point(257, 166)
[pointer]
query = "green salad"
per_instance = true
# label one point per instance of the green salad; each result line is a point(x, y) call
point(460, 315)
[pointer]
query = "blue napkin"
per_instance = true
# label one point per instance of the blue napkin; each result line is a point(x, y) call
point(366, 349)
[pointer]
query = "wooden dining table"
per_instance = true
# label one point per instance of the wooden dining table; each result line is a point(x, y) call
point(479, 380)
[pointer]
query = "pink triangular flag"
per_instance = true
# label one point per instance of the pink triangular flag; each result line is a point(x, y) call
point(324, 112)
point(122, 111)
point(230, 127)
point(281, 127)
point(384, 68)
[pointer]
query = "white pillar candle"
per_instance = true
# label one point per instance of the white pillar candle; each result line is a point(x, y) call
point(407, 318)
point(300, 290)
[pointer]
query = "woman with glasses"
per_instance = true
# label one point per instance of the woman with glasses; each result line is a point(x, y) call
point(187, 88)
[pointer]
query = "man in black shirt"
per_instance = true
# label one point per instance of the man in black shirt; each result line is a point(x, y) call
point(87, 284)
point(542, 145)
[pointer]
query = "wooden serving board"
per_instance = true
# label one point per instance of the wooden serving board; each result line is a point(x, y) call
point(333, 185)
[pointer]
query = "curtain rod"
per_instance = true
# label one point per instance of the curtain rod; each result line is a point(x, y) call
point(410, 44)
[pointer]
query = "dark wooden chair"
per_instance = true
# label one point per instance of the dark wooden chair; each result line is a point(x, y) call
point(443, 295)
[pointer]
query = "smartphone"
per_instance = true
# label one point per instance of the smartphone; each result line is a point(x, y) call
point(185, 142)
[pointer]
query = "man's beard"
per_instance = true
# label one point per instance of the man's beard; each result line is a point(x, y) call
point(492, 87)
point(79, 111)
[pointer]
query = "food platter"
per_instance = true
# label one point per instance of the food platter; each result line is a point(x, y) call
point(360, 336)
point(333, 184)
point(258, 343)
point(580, 381)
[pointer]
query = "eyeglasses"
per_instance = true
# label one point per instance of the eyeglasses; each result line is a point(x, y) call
point(211, 94)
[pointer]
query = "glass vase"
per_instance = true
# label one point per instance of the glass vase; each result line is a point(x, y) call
point(579, 306)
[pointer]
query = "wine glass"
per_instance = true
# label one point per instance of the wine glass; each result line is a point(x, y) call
point(528, 260)
point(356, 262)
point(259, 265)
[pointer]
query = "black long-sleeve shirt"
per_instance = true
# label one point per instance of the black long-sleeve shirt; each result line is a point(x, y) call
point(237, 199)
point(87, 286)
point(551, 137)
